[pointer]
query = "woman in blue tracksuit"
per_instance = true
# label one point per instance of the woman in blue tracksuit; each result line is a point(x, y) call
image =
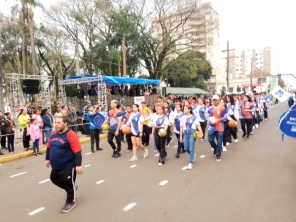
point(189, 124)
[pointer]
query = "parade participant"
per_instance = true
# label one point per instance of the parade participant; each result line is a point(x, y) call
point(35, 136)
point(63, 154)
point(159, 101)
point(265, 101)
point(216, 127)
point(115, 122)
point(200, 112)
point(23, 119)
point(124, 121)
point(177, 120)
point(246, 116)
point(160, 121)
point(136, 121)
point(169, 115)
point(94, 132)
point(229, 114)
point(145, 112)
point(189, 124)
point(155, 149)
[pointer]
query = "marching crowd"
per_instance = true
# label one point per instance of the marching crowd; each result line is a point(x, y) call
point(187, 118)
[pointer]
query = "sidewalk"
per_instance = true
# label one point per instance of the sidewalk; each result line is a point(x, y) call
point(21, 153)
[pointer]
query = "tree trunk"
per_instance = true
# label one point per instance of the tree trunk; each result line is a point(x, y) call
point(31, 19)
point(24, 45)
point(123, 55)
point(77, 51)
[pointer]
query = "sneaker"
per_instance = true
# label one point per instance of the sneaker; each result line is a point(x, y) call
point(227, 143)
point(212, 149)
point(92, 150)
point(68, 207)
point(160, 164)
point(253, 127)
point(146, 153)
point(134, 158)
point(155, 151)
point(2, 153)
point(190, 166)
point(246, 137)
point(177, 155)
point(99, 149)
point(236, 140)
point(146, 144)
point(26, 149)
point(167, 145)
point(114, 152)
point(194, 158)
point(218, 158)
point(38, 153)
point(117, 155)
point(224, 148)
point(201, 140)
point(256, 125)
point(34, 154)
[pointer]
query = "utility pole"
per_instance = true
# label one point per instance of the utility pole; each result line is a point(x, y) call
point(251, 75)
point(227, 64)
point(1, 73)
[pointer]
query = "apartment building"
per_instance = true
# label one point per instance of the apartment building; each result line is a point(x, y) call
point(200, 32)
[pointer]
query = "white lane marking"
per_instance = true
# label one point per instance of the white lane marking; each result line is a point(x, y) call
point(133, 166)
point(15, 175)
point(164, 182)
point(129, 206)
point(184, 168)
point(44, 181)
point(101, 181)
point(202, 156)
point(36, 211)
point(88, 165)
point(88, 153)
point(156, 154)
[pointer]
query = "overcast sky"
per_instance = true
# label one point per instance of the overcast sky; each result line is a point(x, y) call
point(247, 24)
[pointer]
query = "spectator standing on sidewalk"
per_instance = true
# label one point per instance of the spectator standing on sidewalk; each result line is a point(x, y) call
point(63, 154)
point(23, 119)
point(9, 131)
point(48, 124)
point(3, 136)
point(72, 116)
point(35, 136)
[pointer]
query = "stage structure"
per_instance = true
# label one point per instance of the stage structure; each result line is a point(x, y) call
point(17, 95)
point(85, 80)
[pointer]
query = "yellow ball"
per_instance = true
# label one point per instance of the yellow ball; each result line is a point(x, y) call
point(105, 127)
point(197, 135)
point(162, 133)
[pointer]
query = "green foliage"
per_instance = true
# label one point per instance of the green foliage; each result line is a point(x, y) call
point(190, 69)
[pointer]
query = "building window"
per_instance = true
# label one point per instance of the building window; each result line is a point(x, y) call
point(231, 89)
point(238, 89)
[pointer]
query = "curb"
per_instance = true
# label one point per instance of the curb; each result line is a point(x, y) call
point(9, 158)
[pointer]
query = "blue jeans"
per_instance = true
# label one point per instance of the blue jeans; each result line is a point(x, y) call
point(189, 143)
point(212, 135)
point(48, 131)
point(36, 146)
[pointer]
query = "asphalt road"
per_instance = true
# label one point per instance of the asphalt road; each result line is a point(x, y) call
point(255, 181)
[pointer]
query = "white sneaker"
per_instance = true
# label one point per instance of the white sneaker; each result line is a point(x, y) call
point(160, 164)
point(201, 140)
point(212, 149)
point(253, 127)
point(227, 143)
point(145, 153)
point(194, 158)
point(134, 158)
point(236, 140)
point(190, 166)
point(224, 148)
point(256, 125)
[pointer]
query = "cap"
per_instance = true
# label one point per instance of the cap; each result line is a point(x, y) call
point(216, 97)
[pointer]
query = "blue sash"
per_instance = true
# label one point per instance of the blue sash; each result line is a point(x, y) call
point(160, 121)
point(189, 121)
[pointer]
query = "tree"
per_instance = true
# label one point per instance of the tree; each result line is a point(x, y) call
point(190, 69)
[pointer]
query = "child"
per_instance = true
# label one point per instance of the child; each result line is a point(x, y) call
point(35, 136)
point(26, 136)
